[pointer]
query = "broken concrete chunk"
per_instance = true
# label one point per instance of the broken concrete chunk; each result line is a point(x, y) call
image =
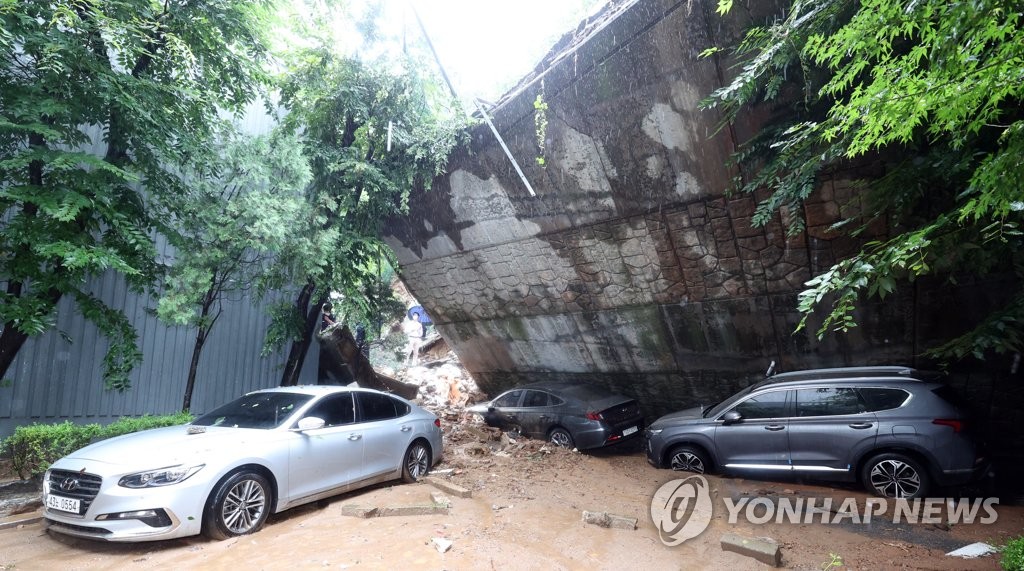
point(973, 550)
point(621, 522)
point(605, 519)
point(453, 489)
point(440, 499)
point(412, 510)
point(763, 549)
point(441, 544)
point(358, 511)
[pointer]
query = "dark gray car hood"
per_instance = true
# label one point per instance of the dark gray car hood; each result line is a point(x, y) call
point(680, 417)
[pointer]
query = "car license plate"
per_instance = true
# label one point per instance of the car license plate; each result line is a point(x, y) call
point(59, 503)
point(629, 431)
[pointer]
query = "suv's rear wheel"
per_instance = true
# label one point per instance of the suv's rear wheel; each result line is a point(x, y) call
point(688, 459)
point(893, 475)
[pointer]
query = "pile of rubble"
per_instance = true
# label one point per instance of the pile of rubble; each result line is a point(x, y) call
point(445, 386)
point(446, 389)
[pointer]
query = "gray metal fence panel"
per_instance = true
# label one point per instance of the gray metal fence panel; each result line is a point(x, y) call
point(53, 379)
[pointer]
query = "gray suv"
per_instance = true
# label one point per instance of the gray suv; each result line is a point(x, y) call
point(884, 426)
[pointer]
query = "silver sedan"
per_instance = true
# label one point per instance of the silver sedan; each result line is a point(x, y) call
point(223, 474)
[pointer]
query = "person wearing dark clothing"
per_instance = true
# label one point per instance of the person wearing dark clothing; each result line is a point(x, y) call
point(361, 343)
point(326, 317)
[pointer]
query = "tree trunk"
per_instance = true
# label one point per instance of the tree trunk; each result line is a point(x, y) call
point(11, 341)
point(190, 384)
point(202, 333)
point(339, 346)
point(297, 353)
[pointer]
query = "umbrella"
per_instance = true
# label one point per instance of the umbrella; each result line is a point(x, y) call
point(422, 313)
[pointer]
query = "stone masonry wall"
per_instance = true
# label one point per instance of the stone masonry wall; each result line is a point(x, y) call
point(632, 266)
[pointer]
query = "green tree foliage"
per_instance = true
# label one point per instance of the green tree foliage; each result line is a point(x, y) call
point(98, 98)
point(932, 89)
point(228, 226)
point(370, 134)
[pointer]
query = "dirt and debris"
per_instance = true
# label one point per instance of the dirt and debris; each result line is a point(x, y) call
point(515, 503)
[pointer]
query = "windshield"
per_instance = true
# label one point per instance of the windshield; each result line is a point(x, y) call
point(256, 410)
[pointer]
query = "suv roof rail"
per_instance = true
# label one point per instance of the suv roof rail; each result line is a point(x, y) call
point(839, 372)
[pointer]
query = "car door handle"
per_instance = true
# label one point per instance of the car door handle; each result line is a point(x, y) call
point(406, 428)
point(775, 427)
point(861, 425)
point(354, 436)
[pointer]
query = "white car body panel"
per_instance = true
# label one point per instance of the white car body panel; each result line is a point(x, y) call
point(303, 466)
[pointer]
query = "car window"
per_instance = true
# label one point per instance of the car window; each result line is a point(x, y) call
point(767, 405)
point(376, 406)
point(510, 398)
point(255, 410)
point(715, 410)
point(536, 398)
point(828, 401)
point(882, 398)
point(336, 410)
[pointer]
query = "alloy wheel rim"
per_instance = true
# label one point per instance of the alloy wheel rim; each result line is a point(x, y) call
point(687, 462)
point(895, 479)
point(560, 439)
point(417, 462)
point(244, 506)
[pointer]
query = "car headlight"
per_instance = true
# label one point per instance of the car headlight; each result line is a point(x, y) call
point(159, 477)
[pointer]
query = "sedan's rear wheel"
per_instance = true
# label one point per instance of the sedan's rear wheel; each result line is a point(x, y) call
point(561, 437)
point(895, 476)
point(688, 459)
point(416, 463)
point(239, 506)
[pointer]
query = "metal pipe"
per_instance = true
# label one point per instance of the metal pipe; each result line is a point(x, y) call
point(504, 147)
point(476, 101)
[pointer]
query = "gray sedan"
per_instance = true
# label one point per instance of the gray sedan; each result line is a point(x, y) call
point(567, 414)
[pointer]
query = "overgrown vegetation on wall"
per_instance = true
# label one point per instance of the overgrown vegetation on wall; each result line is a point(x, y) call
point(931, 89)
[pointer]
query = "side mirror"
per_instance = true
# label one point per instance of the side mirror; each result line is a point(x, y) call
point(491, 409)
point(311, 423)
point(732, 417)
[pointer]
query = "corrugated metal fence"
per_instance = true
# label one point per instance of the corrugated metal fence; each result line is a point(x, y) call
point(53, 379)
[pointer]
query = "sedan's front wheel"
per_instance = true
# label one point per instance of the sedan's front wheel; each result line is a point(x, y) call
point(416, 462)
point(239, 506)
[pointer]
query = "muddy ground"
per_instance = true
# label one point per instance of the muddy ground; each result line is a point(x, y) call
point(525, 513)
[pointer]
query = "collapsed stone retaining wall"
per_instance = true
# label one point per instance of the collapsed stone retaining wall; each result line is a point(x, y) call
point(632, 266)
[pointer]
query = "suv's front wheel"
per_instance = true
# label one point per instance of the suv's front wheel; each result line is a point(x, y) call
point(688, 459)
point(893, 475)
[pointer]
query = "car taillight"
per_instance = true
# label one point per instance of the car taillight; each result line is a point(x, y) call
point(594, 416)
point(437, 422)
point(956, 425)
